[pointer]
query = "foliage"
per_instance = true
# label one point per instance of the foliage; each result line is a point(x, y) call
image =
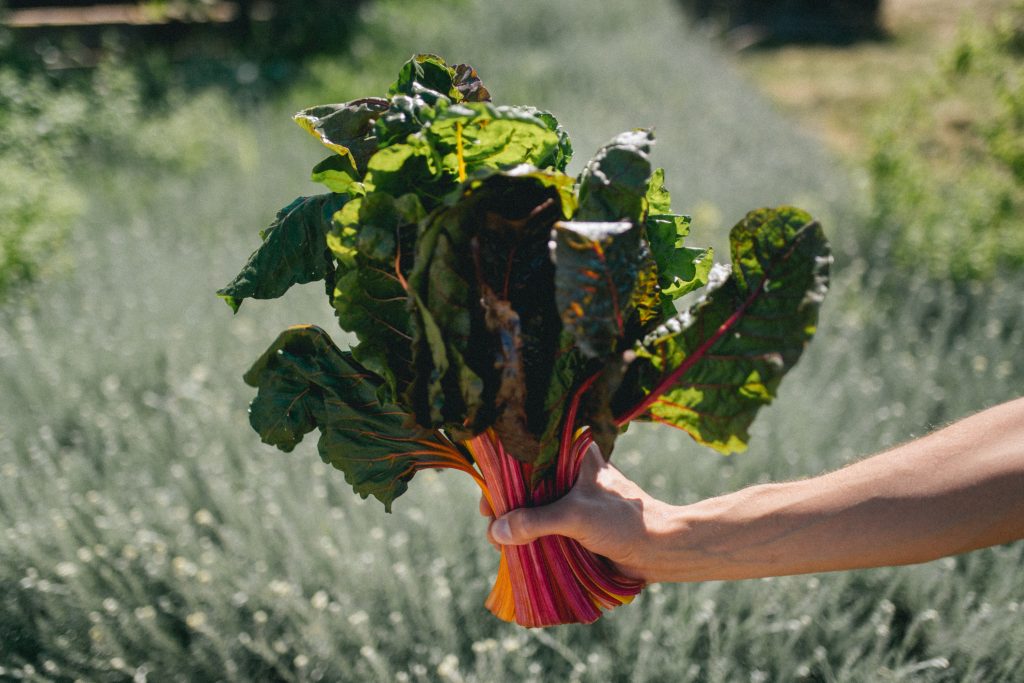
point(948, 167)
point(435, 248)
point(511, 313)
point(54, 131)
point(753, 22)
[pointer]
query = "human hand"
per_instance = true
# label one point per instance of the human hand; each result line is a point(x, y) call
point(604, 511)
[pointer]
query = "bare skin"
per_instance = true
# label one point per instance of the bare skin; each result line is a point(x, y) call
point(955, 490)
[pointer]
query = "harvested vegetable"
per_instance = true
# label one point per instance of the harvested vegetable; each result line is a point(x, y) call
point(509, 315)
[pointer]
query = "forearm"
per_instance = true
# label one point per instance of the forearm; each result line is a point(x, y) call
point(955, 490)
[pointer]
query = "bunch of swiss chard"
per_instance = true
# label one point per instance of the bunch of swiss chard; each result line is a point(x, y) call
point(509, 315)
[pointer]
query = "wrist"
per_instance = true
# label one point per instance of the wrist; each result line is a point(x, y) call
point(706, 541)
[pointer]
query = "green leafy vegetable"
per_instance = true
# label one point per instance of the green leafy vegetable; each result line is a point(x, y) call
point(294, 252)
point(709, 369)
point(508, 315)
point(306, 382)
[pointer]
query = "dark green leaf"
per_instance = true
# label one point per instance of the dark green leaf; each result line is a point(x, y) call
point(490, 242)
point(347, 129)
point(426, 74)
point(306, 383)
point(613, 186)
point(597, 269)
point(567, 370)
point(294, 251)
point(372, 235)
point(710, 369)
point(405, 116)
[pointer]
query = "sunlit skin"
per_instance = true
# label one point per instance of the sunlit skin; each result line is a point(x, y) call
point(958, 489)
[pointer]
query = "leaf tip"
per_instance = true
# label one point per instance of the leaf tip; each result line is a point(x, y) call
point(231, 301)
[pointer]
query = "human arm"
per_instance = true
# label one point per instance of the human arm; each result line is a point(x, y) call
point(955, 490)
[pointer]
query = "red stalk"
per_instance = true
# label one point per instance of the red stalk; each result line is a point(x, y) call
point(552, 580)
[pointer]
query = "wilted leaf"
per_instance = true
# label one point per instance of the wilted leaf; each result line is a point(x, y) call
point(294, 251)
point(347, 128)
point(468, 84)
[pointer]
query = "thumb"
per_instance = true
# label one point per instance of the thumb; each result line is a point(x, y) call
point(520, 526)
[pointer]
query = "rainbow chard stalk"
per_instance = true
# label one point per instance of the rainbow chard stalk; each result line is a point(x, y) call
point(509, 315)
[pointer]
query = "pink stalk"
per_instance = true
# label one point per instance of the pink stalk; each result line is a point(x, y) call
point(552, 580)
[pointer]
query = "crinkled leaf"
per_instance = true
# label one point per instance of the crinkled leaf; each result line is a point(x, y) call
point(304, 382)
point(347, 128)
point(710, 369)
point(405, 116)
point(614, 184)
point(294, 251)
point(492, 237)
point(681, 270)
point(426, 73)
point(597, 269)
point(658, 199)
point(649, 305)
point(373, 235)
point(491, 137)
point(411, 167)
point(468, 84)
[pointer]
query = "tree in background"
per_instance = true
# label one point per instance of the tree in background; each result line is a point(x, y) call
point(756, 22)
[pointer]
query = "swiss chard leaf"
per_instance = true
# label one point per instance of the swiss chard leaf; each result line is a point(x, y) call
point(709, 370)
point(597, 269)
point(374, 239)
point(339, 174)
point(482, 136)
point(405, 116)
point(489, 243)
point(614, 184)
point(304, 382)
point(681, 270)
point(346, 129)
point(294, 251)
point(426, 74)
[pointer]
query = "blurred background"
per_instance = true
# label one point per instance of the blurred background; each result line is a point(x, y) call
point(146, 534)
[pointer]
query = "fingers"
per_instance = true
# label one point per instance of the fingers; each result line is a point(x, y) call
point(526, 524)
point(485, 507)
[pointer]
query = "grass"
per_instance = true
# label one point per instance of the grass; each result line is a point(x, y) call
point(147, 535)
point(841, 93)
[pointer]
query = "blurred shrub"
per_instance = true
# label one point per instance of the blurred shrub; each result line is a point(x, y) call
point(54, 132)
point(275, 35)
point(947, 169)
point(749, 22)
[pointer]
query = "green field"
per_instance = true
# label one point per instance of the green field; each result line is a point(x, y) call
point(146, 534)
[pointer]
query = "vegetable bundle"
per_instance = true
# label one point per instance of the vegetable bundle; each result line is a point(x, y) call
point(509, 315)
